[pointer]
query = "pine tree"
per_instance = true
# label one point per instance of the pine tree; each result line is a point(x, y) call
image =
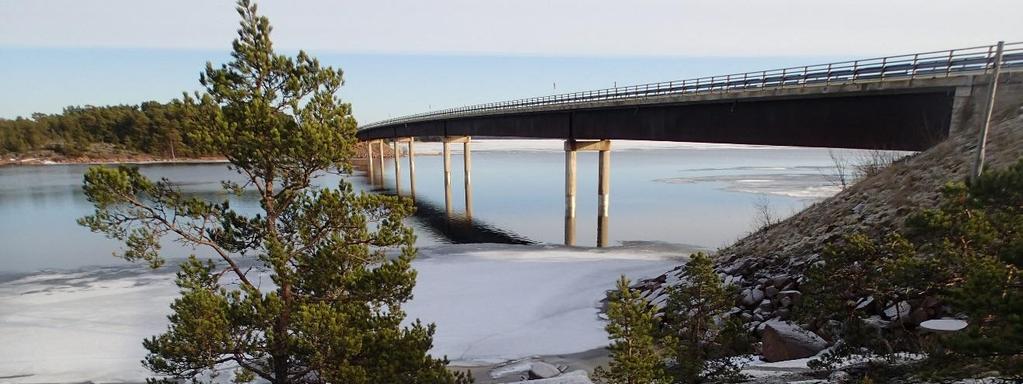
point(632, 326)
point(972, 245)
point(967, 253)
point(338, 263)
point(699, 338)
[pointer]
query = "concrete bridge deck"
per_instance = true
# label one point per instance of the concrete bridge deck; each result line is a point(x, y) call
point(901, 103)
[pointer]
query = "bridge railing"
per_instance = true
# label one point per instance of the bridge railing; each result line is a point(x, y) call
point(980, 59)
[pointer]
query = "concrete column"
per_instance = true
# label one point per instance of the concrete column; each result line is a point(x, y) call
point(447, 177)
point(603, 197)
point(412, 168)
point(397, 167)
point(570, 188)
point(372, 172)
point(467, 157)
point(381, 154)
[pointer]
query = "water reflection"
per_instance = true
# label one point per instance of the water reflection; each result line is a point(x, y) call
point(457, 229)
point(703, 197)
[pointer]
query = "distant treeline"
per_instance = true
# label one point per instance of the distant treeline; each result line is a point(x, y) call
point(152, 128)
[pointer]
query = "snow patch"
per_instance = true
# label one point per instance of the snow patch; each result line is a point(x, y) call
point(943, 325)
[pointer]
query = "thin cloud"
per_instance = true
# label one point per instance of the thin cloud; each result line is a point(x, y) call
point(527, 27)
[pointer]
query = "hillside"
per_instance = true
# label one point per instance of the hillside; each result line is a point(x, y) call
point(879, 204)
point(768, 266)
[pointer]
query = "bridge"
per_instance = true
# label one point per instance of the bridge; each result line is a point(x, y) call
point(905, 102)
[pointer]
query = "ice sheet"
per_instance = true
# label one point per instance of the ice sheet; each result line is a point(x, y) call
point(490, 303)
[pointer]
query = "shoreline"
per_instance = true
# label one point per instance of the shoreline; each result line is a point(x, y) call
point(37, 161)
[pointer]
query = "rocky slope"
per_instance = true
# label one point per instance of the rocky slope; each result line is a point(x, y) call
point(768, 265)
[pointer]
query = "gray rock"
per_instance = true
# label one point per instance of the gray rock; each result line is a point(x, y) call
point(751, 297)
point(766, 306)
point(787, 341)
point(733, 312)
point(574, 377)
point(783, 313)
point(876, 322)
point(858, 208)
point(542, 370)
point(792, 294)
point(785, 302)
point(780, 281)
point(864, 302)
point(771, 291)
point(839, 377)
point(736, 268)
point(899, 311)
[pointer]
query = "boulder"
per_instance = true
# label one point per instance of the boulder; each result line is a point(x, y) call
point(900, 311)
point(785, 302)
point(792, 295)
point(840, 377)
point(787, 341)
point(752, 297)
point(864, 302)
point(780, 281)
point(542, 370)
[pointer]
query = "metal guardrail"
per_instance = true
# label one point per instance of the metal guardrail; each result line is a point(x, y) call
point(916, 65)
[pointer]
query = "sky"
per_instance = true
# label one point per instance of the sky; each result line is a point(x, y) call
point(404, 57)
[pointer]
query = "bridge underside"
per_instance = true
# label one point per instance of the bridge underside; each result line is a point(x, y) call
point(907, 119)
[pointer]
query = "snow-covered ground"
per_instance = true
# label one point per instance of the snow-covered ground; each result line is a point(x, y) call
point(496, 303)
point(490, 302)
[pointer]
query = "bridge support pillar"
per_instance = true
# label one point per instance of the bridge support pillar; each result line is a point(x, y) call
point(412, 169)
point(397, 167)
point(372, 173)
point(603, 196)
point(380, 145)
point(570, 188)
point(603, 187)
point(447, 179)
point(447, 174)
point(467, 165)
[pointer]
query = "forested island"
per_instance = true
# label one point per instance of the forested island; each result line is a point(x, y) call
point(148, 131)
